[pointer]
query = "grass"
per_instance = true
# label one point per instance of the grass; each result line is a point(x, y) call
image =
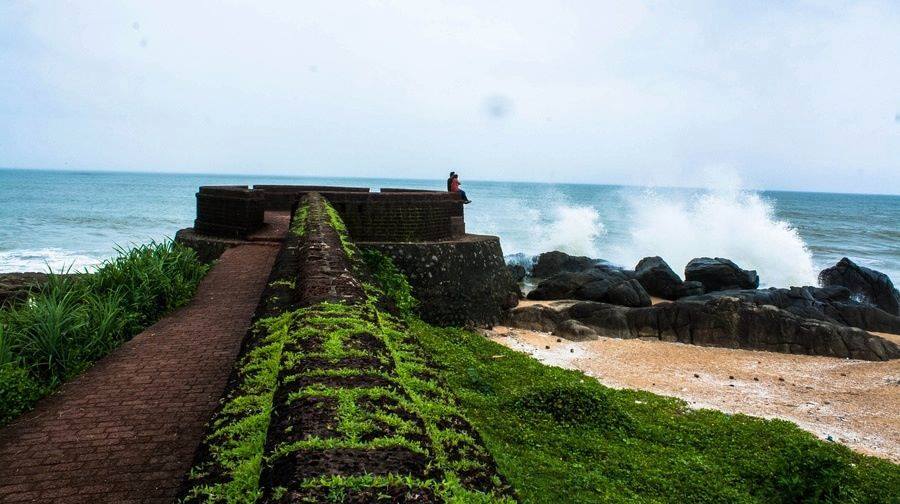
point(74, 320)
point(556, 435)
point(306, 351)
point(560, 436)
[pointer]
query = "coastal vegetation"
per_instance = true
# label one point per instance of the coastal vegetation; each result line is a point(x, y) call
point(561, 436)
point(320, 390)
point(445, 415)
point(73, 320)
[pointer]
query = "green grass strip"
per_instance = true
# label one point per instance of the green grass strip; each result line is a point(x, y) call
point(239, 436)
point(561, 436)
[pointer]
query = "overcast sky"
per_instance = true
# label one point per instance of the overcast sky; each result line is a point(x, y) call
point(794, 95)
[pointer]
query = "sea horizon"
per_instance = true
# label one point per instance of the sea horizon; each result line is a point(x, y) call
point(62, 218)
point(417, 179)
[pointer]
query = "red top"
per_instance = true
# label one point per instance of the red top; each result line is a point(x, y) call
point(454, 185)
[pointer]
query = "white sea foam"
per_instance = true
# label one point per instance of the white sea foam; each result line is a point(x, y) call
point(571, 229)
point(527, 231)
point(722, 221)
point(735, 224)
point(41, 259)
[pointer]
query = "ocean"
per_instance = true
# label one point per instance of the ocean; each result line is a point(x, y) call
point(74, 219)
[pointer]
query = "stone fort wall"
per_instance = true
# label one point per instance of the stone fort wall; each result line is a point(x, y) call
point(459, 279)
point(389, 215)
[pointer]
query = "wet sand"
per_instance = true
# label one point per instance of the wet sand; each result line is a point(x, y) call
point(856, 403)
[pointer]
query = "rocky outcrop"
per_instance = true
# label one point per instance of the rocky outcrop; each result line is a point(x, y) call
point(14, 287)
point(657, 277)
point(829, 304)
point(720, 274)
point(627, 293)
point(549, 264)
point(864, 284)
point(722, 321)
point(689, 288)
point(659, 280)
point(517, 272)
point(602, 284)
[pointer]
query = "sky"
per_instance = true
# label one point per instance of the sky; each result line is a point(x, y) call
point(788, 95)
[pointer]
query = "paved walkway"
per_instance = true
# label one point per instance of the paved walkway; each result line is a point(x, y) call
point(127, 429)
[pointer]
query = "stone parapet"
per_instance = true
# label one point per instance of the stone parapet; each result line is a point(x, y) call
point(457, 282)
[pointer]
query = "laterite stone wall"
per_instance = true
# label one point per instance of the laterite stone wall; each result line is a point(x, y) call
point(229, 211)
point(458, 283)
point(390, 215)
point(400, 216)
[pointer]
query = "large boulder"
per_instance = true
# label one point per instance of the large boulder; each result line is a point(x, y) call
point(657, 278)
point(689, 288)
point(517, 272)
point(552, 263)
point(865, 285)
point(16, 287)
point(831, 304)
point(721, 321)
point(602, 284)
point(628, 293)
point(717, 274)
point(562, 285)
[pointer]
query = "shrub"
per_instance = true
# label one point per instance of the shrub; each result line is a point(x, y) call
point(808, 473)
point(72, 321)
point(152, 279)
point(46, 331)
point(391, 282)
point(575, 404)
point(18, 391)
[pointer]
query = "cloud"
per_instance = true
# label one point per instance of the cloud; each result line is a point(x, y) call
point(793, 96)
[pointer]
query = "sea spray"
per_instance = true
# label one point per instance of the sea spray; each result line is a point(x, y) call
point(44, 260)
point(736, 224)
point(528, 228)
point(575, 230)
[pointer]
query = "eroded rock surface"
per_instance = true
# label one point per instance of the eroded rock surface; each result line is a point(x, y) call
point(722, 321)
point(551, 263)
point(718, 274)
point(865, 285)
point(601, 283)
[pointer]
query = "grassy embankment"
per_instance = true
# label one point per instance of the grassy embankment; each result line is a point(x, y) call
point(74, 320)
point(560, 436)
point(318, 390)
point(556, 435)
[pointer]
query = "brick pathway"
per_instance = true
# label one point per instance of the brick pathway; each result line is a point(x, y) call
point(126, 430)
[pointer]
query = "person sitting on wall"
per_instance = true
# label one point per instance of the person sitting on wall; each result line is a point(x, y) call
point(453, 186)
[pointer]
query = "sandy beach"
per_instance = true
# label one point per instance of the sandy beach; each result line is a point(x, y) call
point(849, 401)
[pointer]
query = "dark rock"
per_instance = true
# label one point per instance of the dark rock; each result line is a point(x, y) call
point(608, 320)
point(720, 320)
point(536, 318)
point(595, 290)
point(601, 284)
point(865, 285)
point(561, 286)
point(517, 271)
point(575, 331)
point(689, 288)
point(830, 304)
point(15, 287)
point(720, 274)
point(657, 278)
point(628, 293)
point(552, 263)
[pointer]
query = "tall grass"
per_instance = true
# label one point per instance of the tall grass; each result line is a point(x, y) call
point(75, 319)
